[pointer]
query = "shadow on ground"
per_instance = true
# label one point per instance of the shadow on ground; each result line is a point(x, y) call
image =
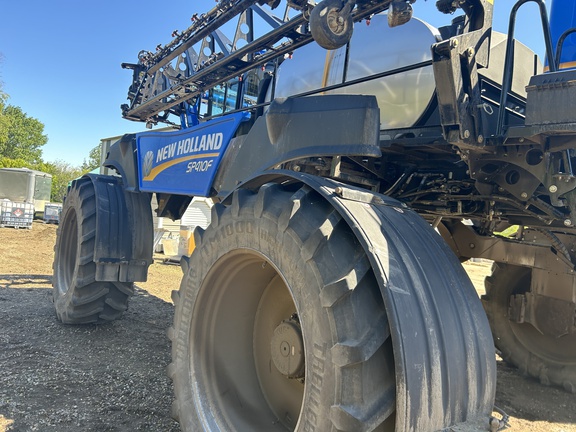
point(525, 398)
point(56, 377)
point(25, 281)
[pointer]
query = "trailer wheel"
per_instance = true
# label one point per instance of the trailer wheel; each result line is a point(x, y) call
point(551, 360)
point(331, 29)
point(78, 297)
point(279, 323)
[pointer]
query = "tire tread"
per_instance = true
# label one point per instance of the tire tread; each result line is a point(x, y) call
point(349, 294)
point(85, 300)
point(512, 351)
point(358, 331)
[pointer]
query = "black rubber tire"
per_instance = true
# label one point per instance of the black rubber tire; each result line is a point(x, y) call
point(78, 297)
point(297, 243)
point(552, 361)
point(326, 31)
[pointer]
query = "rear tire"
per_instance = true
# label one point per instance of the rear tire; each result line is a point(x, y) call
point(78, 297)
point(279, 322)
point(551, 360)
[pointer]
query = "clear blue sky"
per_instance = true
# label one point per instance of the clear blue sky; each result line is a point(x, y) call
point(62, 59)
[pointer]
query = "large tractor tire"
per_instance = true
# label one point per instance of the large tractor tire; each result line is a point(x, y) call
point(279, 322)
point(78, 297)
point(551, 360)
point(280, 325)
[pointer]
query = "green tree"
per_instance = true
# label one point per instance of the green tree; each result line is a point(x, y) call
point(21, 136)
point(21, 139)
point(93, 161)
point(3, 96)
point(62, 174)
point(13, 163)
point(4, 121)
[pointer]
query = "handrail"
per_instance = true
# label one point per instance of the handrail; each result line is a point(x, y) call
point(560, 45)
point(509, 59)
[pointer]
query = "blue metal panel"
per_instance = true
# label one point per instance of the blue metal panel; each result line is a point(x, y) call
point(562, 18)
point(185, 162)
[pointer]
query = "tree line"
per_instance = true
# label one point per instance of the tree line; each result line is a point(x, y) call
point(21, 141)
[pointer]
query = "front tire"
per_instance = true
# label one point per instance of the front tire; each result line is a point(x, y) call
point(78, 297)
point(279, 322)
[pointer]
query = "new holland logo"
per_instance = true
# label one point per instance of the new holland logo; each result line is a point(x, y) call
point(147, 165)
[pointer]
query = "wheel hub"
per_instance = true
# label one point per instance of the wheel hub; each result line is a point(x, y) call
point(336, 22)
point(287, 349)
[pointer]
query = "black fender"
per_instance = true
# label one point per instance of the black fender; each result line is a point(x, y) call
point(122, 158)
point(297, 128)
point(443, 347)
point(124, 231)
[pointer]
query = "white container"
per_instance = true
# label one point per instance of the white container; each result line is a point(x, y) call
point(52, 212)
point(16, 214)
point(171, 247)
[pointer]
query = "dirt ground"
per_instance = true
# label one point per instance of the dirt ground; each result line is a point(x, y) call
point(112, 378)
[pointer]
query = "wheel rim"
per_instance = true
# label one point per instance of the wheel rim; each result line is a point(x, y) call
point(336, 22)
point(238, 386)
point(561, 350)
point(67, 251)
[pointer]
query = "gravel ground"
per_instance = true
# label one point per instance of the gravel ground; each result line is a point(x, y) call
point(91, 378)
point(55, 377)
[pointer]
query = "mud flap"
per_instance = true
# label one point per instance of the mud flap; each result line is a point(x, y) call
point(124, 233)
point(443, 348)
